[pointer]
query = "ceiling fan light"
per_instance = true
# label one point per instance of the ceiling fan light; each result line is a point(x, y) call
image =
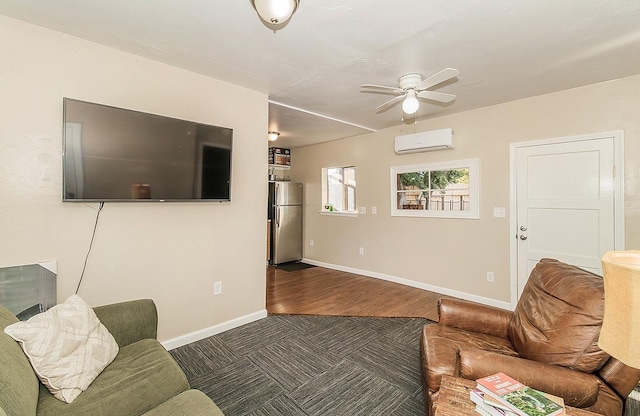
point(275, 12)
point(273, 136)
point(410, 104)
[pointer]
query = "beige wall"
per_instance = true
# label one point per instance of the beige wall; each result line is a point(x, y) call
point(170, 252)
point(449, 255)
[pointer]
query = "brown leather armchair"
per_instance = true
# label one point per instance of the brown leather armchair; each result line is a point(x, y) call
point(550, 342)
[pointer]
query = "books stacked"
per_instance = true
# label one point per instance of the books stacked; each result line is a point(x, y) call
point(501, 395)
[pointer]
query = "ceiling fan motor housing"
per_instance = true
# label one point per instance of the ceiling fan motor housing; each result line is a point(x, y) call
point(409, 81)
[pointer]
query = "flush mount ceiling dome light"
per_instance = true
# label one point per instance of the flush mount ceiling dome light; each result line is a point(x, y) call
point(273, 136)
point(275, 13)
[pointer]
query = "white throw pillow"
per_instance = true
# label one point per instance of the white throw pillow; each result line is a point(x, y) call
point(67, 346)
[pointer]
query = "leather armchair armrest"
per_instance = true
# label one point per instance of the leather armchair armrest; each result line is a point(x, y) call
point(619, 376)
point(130, 321)
point(475, 317)
point(576, 388)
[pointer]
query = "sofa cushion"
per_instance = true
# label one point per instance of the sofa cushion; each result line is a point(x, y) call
point(142, 376)
point(558, 318)
point(187, 403)
point(440, 345)
point(67, 346)
point(18, 382)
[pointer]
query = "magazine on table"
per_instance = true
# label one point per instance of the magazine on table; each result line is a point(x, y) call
point(518, 398)
point(485, 410)
point(487, 407)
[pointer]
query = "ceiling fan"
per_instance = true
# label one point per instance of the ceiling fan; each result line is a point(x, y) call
point(411, 87)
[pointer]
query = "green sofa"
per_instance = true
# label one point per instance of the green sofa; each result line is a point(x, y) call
point(142, 380)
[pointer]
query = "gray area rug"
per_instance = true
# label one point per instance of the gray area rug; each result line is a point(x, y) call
point(311, 365)
point(632, 407)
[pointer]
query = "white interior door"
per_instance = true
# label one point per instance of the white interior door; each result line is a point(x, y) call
point(565, 196)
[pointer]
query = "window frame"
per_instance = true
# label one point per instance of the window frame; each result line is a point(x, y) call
point(325, 192)
point(474, 189)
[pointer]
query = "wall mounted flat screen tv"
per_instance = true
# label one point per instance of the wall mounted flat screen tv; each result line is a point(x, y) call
point(114, 154)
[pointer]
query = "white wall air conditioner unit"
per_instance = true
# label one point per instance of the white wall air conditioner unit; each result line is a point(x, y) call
point(425, 141)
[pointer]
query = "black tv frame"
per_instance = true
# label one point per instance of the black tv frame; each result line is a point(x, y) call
point(113, 154)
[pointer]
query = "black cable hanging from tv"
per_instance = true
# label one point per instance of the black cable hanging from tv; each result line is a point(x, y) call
point(93, 236)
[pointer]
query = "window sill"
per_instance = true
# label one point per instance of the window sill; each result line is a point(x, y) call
point(466, 215)
point(340, 213)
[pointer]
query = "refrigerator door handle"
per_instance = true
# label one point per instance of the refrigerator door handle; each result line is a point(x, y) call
point(277, 217)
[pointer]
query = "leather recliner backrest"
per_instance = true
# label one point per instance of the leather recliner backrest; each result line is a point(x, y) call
point(559, 316)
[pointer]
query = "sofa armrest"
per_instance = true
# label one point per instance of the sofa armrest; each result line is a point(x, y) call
point(475, 317)
point(130, 321)
point(578, 389)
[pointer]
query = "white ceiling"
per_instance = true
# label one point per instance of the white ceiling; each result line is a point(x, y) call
point(313, 68)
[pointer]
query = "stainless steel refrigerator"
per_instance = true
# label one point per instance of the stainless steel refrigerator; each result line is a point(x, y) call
point(285, 213)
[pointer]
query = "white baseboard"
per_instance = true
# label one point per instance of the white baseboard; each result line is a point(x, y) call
point(213, 330)
point(243, 320)
point(413, 283)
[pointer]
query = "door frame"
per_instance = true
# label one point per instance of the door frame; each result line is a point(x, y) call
point(618, 190)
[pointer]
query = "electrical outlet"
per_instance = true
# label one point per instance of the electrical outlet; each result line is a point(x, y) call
point(310, 243)
point(362, 251)
point(490, 277)
point(374, 210)
point(217, 288)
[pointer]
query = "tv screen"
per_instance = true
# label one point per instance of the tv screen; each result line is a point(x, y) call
point(114, 154)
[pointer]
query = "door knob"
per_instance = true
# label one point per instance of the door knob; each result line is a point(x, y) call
point(523, 228)
point(523, 236)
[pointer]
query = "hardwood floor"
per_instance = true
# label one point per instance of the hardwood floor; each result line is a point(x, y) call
point(321, 291)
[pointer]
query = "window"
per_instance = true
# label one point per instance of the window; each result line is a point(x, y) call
point(445, 190)
point(339, 189)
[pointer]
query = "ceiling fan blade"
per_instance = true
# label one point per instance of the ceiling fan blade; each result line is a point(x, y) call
point(442, 97)
point(389, 104)
point(393, 90)
point(438, 78)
